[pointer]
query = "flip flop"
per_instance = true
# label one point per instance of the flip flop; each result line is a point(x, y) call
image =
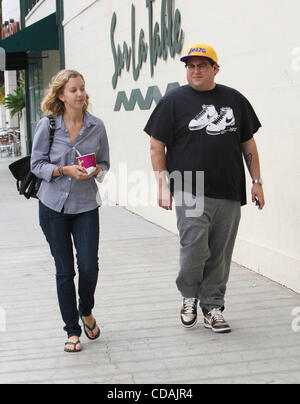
point(74, 345)
point(91, 329)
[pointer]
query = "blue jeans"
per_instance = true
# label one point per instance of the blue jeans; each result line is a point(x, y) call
point(59, 229)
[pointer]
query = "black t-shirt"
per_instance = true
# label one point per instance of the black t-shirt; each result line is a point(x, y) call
point(203, 131)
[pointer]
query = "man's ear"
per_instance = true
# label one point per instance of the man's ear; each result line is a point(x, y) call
point(216, 69)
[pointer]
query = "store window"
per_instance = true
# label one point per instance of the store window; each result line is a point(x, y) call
point(36, 92)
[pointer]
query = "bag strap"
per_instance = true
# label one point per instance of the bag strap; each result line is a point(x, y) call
point(52, 130)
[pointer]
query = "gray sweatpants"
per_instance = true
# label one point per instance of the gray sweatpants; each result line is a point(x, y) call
point(206, 247)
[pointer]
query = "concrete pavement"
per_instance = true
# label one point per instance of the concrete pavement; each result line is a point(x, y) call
point(138, 310)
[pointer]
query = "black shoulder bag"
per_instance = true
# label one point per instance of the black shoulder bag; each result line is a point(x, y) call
point(27, 183)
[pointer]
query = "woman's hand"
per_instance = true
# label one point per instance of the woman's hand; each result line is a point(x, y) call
point(77, 172)
point(96, 172)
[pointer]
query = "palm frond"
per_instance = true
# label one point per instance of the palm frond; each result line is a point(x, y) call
point(15, 102)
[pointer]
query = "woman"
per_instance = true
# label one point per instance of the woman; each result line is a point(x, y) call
point(69, 199)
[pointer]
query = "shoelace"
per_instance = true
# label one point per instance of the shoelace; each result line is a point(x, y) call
point(219, 118)
point(217, 316)
point(200, 115)
point(189, 305)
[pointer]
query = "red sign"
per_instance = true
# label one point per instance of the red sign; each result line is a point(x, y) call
point(10, 29)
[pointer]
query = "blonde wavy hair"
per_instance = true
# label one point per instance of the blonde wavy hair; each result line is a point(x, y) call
point(51, 104)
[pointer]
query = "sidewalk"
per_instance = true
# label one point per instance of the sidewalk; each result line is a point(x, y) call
point(138, 309)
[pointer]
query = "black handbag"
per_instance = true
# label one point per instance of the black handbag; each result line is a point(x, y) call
point(27, 183)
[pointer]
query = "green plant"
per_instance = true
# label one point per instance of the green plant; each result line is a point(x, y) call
point(15, 102)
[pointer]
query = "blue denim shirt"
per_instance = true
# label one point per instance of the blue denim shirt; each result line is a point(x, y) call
point(67, 192)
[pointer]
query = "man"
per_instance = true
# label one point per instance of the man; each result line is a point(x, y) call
point(205, 127)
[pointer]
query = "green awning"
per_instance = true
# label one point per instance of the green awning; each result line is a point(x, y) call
point(42, 35)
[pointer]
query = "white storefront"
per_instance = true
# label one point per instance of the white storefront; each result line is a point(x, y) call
point(258, 44)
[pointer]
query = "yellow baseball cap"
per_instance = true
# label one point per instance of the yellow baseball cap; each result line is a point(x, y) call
point(201, 49)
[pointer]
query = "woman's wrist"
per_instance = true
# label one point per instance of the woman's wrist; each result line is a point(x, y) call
point(65, 170)
point(60, 171)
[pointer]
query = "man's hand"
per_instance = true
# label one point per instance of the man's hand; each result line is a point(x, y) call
point(250, 153)
point(165, 199)
point(258, 192)
point(158, 158)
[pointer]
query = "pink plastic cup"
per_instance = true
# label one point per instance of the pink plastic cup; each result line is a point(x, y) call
point(88, 162)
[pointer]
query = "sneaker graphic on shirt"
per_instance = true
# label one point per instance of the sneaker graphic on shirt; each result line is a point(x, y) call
point(223, 123)
point(204, 118)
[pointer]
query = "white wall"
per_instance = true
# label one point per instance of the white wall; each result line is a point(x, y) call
point(2, 117)
point(41, 10)
point(51, 65)
point(258, 46)
point(73, 9)
point(10, 9)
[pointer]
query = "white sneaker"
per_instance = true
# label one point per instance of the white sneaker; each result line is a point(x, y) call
point(206, 116)
point(223, 123)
